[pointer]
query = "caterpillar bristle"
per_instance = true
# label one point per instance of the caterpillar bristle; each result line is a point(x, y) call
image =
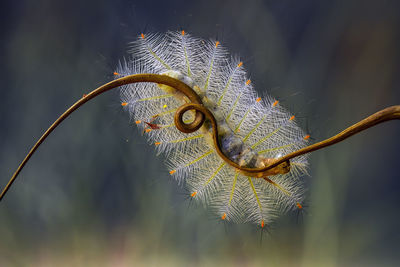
point(251, 128)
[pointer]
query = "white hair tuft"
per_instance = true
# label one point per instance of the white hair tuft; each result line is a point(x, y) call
point(250, 128)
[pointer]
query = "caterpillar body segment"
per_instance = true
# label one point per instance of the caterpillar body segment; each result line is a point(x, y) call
point(252, 131)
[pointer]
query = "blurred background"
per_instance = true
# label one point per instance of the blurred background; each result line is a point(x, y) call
point(95, 194)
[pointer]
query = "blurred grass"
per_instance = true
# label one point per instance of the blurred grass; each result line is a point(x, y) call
point(97, 194)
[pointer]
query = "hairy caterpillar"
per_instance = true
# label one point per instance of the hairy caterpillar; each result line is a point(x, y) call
point(252, 130)
point(241, 155)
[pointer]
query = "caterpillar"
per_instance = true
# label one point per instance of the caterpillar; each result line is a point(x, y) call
point(239, 154)
point(252, 130)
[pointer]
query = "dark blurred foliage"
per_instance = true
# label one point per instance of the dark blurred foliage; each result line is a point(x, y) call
point(96, 194)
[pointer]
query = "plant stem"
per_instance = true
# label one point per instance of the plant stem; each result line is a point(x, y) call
point(282, 163)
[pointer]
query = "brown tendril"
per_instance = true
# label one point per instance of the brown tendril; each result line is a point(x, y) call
point(281, 165)
point(186, 128)
point(130, 79)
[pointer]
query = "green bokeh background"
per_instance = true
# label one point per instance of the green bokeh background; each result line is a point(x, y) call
point(95, 194)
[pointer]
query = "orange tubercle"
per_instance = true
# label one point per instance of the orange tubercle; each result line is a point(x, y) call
point(291, 118)
point(216, 44)
point(258, 99)
point(306, 137)
point(142, 35)
point(157, 143)
point(262, 224)
point(275, 103)
point(299, 205)
point(183, 32)
point(172, 172)
point(138, 122)
point(193, 194)
point(248, 82)
point(223, 217)
point(116, 73)
point(240, 64)
point(149, 130)
point(124, 104)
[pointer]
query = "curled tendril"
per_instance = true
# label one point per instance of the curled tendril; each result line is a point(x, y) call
point(281, 165)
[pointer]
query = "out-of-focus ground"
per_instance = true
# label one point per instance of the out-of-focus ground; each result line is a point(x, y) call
point(95, 194)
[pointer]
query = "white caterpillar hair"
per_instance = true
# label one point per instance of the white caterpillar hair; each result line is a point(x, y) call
point(251, 129)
